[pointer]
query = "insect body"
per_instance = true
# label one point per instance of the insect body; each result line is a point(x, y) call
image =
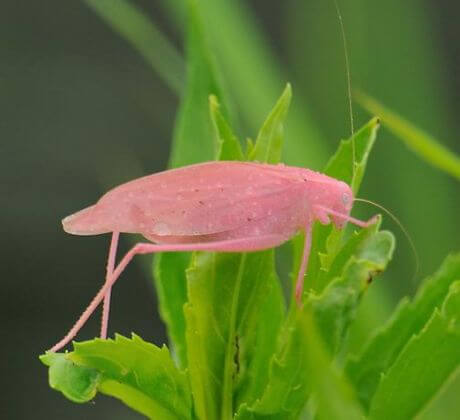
point(214, 206)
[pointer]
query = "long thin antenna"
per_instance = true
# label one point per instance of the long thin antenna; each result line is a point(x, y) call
point(403, 229)
point(348, 73)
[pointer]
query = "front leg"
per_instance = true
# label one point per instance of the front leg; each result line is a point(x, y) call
point(323, 213)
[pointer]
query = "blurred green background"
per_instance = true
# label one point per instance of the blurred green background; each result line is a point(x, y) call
point(82, 111)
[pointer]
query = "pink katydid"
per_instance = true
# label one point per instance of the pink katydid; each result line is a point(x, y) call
point(215, 206)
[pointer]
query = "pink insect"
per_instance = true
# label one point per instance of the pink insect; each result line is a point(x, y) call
point(214, 206)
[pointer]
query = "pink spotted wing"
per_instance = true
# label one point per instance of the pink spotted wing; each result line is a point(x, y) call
point(199, 199)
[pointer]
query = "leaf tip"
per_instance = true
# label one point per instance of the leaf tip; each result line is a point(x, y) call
point(286, 96)
point(213, 102)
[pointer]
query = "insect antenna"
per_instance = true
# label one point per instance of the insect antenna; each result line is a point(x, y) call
point(348, 75)
point(403, 229)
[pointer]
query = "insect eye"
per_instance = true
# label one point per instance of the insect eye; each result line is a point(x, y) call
point(345, 198)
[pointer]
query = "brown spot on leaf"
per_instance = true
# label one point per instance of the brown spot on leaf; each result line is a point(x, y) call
point(371, 276)
point(237, 354)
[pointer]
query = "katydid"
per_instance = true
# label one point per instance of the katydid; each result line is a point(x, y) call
point(225, 206)
point(215, 206)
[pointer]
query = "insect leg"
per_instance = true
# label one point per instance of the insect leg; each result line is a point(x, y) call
point(350, 219)
point(110, 268)
point(303, 265)
point(255, 243)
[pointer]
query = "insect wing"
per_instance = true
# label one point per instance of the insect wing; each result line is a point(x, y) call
point(207, 198)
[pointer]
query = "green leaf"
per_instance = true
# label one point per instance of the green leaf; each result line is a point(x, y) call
point(333, 395)
point(340, 165)
point(225, 293)
point(170, 285)
point(193, 132)
point(427, 147)
point(258, 341)
point(333, 310)
point(78, 383)
point(138, 373)
point(133, 25)
point(289, 382)
point(270, 138)
point(409, 319)
point(424, 365)
point(228, 146)
point(366, 241)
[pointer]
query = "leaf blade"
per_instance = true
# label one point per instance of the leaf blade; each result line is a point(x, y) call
point(333, 394)
point(236, 282)
point(169, 279)
point(421, 143)
point(77, 383)
point(409, 318)
point(270, 138)
point(341, 164)
point(333, 310)
point(423, 366)
point(138, 373)
point(228, 146)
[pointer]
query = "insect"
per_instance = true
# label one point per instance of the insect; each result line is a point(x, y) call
point(213, 206)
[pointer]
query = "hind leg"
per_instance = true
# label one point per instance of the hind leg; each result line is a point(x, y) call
point(110, 268)
point(248, 244)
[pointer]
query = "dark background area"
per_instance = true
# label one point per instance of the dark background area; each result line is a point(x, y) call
point(80, 112)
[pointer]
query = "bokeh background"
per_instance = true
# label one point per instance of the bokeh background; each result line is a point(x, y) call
point(82, 111)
